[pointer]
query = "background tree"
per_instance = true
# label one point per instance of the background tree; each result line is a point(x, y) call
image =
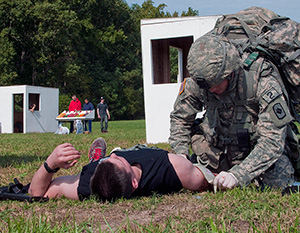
point(39, 36)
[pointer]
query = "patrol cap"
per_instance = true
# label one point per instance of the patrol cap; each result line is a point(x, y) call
point(212, 59)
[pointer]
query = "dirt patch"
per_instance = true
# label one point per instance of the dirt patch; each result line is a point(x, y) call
point(126, 214)
point(240, 226)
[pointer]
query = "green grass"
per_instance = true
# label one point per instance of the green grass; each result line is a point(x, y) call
point(237, 210)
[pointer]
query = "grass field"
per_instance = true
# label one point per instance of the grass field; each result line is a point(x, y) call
point(237, 210)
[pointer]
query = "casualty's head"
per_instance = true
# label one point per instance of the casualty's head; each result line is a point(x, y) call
point(113, 178)
point(211, 60)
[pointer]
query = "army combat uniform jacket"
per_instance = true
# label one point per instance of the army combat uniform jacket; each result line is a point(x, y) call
point(242, 132)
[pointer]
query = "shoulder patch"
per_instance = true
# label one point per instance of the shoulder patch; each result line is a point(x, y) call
point(182, 86)
point(270, 95)
point(279, 111)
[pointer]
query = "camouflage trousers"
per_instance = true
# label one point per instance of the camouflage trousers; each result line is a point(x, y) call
point(279, 175)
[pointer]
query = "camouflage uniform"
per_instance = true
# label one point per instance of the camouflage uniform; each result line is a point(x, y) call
point(245, 136)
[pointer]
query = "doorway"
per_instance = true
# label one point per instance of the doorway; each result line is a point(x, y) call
point(18, 113)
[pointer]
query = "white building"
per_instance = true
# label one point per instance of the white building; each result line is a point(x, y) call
point(160, 91)
point(15, 102)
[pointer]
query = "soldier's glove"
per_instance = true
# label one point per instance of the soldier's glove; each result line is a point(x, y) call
point(225, 180)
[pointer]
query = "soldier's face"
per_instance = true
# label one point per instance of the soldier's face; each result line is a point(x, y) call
point(219, 89)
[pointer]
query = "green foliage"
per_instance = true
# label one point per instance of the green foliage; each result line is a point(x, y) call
point(64, 101)
point(41, 35)
point(7, 73)
point(147, 10)
point(173, 64)
point(190, 12)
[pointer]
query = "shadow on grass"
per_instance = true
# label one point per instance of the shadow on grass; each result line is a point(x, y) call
point(13, 160)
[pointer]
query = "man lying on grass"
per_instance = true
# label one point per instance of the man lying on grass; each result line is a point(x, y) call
point(122, 174)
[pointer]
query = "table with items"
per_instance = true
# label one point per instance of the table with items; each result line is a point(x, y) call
point(76, 115)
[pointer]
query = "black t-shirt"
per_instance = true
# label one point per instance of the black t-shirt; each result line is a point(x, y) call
point(102, 109)
point(158, 174)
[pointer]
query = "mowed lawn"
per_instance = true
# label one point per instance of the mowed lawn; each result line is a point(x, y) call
point(237, 210)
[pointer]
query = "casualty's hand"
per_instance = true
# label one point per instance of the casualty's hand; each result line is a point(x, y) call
point(63, 156)
point(225, 180)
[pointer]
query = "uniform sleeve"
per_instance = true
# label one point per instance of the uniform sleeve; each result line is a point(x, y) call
point(273, 117)
point(187, 105)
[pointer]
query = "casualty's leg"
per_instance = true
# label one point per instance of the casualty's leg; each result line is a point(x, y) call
point(97, 150)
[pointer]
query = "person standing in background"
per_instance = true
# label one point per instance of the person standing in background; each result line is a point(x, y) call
point(88, 106)
point(103, 115)
point(75, 105)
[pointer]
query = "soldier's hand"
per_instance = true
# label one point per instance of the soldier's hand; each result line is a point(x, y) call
point(225, 180)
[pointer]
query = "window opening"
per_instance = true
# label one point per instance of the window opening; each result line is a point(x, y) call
point(169, 58)
point(34, 101)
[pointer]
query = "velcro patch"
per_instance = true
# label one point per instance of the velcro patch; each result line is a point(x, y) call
point(279, 111)
point(182, 86)
point(270, 95)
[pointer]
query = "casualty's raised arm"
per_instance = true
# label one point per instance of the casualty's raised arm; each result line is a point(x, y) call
point(63, 156)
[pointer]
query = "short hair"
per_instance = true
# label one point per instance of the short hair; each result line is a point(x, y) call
point(110, 182)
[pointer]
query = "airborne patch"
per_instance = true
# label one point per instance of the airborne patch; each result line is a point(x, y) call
point(279, 111)
point(270, 95)
point(182, 86)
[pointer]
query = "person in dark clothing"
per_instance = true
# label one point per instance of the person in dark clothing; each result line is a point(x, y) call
point(103, 115)
point(147, 170)
point(88, 106)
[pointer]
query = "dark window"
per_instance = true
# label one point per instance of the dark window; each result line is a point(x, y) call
point(34, 99)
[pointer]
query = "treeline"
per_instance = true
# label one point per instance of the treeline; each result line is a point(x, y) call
point(90, 48)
